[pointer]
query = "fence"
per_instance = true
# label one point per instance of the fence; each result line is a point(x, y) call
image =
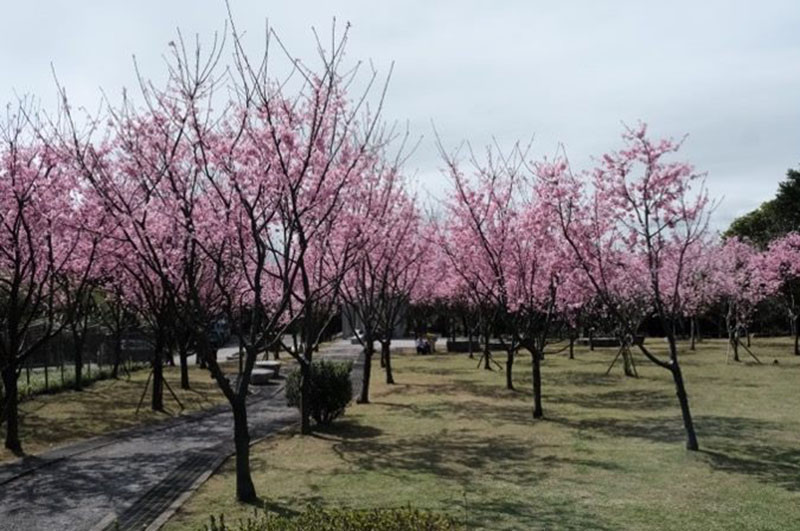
point(52, 366)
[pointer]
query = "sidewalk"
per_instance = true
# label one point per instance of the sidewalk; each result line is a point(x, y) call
point(131, 477)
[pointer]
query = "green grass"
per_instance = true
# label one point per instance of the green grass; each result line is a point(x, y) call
point(609, 455)
point(50, 420)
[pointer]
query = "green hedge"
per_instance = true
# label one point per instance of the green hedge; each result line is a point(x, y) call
point(317, 519)
point(331, 389)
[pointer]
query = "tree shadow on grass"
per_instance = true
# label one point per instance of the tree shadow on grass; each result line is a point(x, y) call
point(768, 464)
point(626, 399)
point(482, 513)
point(669, 429)
point(579, 379)
point(266, 505)
point(460, 456)
point(346, 430)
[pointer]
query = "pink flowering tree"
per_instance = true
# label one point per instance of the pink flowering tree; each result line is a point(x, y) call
point(279, 169)
point(390, 267)
point(743, 279)
point(477, 236)
point(782, 263)
point(37, 248)
point(611, 278)
point(648, 206)
point(538, 292)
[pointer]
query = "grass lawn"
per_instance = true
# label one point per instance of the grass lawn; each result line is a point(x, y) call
point(609, 455)
point(51, 420)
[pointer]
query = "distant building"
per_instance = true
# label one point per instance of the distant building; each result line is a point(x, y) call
point(349, 328)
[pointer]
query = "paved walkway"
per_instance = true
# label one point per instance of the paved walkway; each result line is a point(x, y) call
point(132, 477)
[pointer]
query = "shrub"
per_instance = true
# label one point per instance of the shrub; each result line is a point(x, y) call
point(317, 519)
point(330, 391)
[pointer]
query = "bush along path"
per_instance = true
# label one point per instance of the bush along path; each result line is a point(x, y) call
point(136, 479)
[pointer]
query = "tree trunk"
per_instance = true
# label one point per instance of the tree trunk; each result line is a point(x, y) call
point(117, 355)
point(509, 369)
point(386, 355)
point(184, 357)
point(797, 336)
point(572, 347)
point(537, 384)
point(692, 333)
point(368, 348)
point(470, 339)
point(11, 410)
point(78, 383)
point(683, 399)
point(627, 362)
point(486, 353)
point(157, 403)
point(591, 339)
point(245, 490)
point(305, 397)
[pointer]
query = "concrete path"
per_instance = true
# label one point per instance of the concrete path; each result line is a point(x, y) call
point(128, 479)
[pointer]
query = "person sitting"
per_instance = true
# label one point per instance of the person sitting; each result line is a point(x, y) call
point(423, 347)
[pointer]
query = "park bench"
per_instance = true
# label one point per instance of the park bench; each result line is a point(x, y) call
point(274, 366)
point(261, 376)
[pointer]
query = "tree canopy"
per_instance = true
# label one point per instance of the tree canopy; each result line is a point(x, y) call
point(773, 218)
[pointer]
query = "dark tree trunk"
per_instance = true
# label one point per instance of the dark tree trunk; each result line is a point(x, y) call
point(470, 339)
point(157, 403)
point(117, 355)
point(692, 333)
point(245, 490)
point(78, 383)
point(368, 350)
point(486, 353)
point(184, 359)
point(683, 399)
point(386, 355)
point(509, 369)
point(797, 336)
point(11, 410)
point(591, 339)
point(78, 340)
point(305, 394)
point(537, 384)
point(572, 347)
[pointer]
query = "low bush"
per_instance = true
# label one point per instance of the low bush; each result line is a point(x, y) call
point(317, 519)
point(330, 392)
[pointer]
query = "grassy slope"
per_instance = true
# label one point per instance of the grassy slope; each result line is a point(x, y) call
point(609, 456)
point(55, 419)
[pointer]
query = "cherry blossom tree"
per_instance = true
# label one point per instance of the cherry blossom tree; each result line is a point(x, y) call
point(782, 267)
point(390, 267)
point(37, 208)
point(743, 278)
point(477, 236)
point(652, 210)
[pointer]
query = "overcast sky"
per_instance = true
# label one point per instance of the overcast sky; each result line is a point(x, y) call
point(725, 72)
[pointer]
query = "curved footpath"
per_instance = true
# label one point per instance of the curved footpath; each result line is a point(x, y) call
point(135, 479)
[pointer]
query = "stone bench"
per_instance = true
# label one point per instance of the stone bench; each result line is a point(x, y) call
point(274, 366)
point(261, 376)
